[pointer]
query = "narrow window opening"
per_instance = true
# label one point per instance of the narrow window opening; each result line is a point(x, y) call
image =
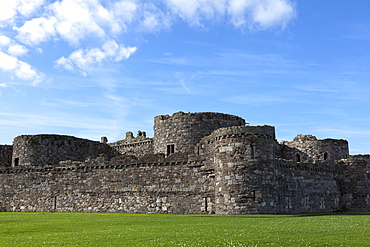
point(205, 204)
point(170, 149)
point(253, 151)
point(16, 162)
point(322, 204)
point(326, 156)
point(298, 158)
point(55, 203)
point(288, 203)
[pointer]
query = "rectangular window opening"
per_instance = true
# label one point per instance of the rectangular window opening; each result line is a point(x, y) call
point(16, 162)
point(170, 149)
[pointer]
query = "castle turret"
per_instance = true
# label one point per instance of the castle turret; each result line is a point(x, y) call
point(240, 154)
point(181, 131)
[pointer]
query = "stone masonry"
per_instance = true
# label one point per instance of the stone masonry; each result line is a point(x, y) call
point(196, 163)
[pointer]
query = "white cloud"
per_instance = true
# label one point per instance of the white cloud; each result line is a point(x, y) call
point(125, 12)
point(12, 47)
point(20, 69)
point(269, 13)
point(75, 21)
point(9, 9)
point(9, 51)
point(261, 13)
point(82, 61)
point(193, 11)
point(36, 31)
point(17, 50)
point(4, 41)
point(71, 20)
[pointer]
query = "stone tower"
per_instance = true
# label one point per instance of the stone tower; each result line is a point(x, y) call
point(181, 131)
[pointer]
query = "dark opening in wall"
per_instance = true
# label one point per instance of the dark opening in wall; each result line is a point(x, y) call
point(170, 149)
point(16, 162)
point(205, 204)
point(306, 203)
point(288, 203)
point(326, 156)
point(297, 158)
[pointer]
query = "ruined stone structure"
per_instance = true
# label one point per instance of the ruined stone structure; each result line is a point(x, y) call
point(195, 163)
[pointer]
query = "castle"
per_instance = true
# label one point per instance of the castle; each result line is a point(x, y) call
point(196, 163)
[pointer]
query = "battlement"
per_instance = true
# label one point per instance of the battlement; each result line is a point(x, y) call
point(137, 146)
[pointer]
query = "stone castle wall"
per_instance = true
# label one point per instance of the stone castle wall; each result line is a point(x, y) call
point(236, 187)
point(42, 150)
point(139, 146)
point(6, 155)
point(195, 163)
point(97, 185)
point(307, 147)
point(355, 183)
point(305, 187)
point(185, 130)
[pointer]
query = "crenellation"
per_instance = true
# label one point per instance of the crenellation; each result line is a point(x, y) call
point(196, 163)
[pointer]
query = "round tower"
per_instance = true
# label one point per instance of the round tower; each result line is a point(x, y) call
point(44, 149)
point(181, 131)
point(242, 156)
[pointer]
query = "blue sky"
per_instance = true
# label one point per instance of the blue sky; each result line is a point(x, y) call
point(92, 68)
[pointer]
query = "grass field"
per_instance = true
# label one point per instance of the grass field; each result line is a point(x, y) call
point(78, 229)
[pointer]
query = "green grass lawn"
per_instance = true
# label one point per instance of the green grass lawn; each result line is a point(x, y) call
point(78, 229)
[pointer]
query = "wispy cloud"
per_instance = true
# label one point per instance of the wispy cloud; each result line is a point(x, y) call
point(256, 100)
point(343, 132)
point(85, 127)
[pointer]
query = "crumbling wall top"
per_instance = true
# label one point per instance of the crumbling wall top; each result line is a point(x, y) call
point(181, 114)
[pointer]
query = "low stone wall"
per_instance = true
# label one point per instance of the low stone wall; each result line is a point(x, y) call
point(102, 186)
point(187, 184)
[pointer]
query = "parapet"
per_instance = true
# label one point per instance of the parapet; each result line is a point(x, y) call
point(265, 131)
